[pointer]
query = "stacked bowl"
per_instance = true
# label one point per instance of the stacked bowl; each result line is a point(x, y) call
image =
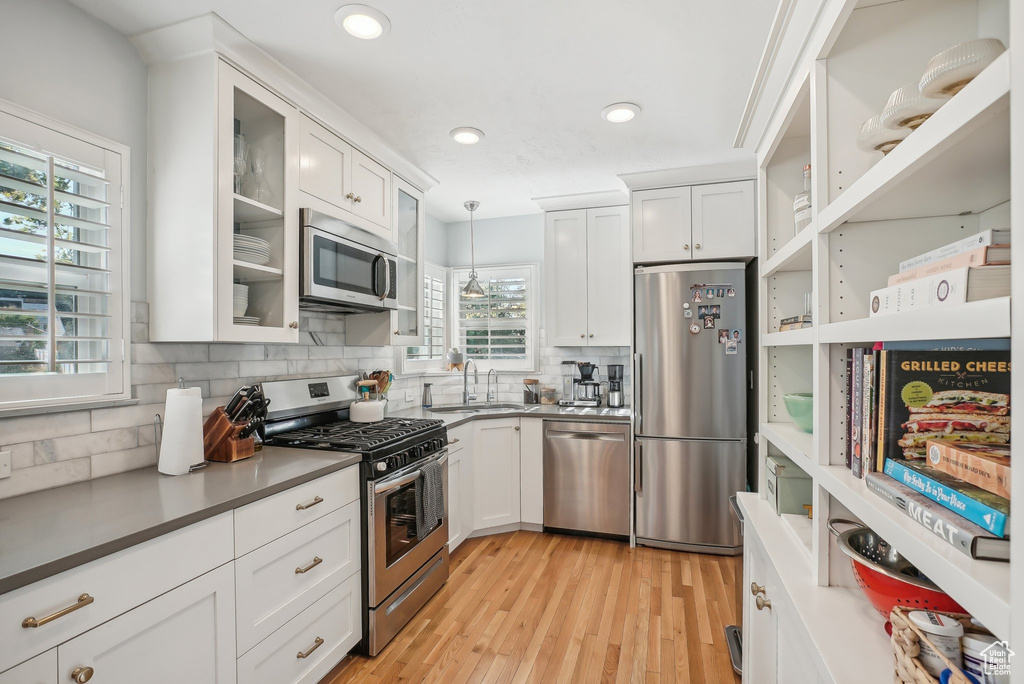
point(910, 105)
point(241, 300)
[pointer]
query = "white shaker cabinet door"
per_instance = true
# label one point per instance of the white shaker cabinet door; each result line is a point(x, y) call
point(565, 277)
point(661, 225)
point(723, 221)
point(496, 473)
point(325, 164)
point(531, 474)
point(39, 670)
point(456, 534)
point(371, 187)
point(609, 277)
point(760, 631)
point(185, 635)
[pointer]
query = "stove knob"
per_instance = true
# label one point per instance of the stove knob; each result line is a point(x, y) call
point(382, 466)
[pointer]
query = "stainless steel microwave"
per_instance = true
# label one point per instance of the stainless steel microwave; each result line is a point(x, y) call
point(344, 269)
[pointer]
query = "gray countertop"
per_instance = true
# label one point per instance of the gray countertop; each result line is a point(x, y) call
point(599, 414)
point(48, 532)
point(45, 533)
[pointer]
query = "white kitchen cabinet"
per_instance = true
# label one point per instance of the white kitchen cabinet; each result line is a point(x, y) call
point(460, 484)
point(39, 670)
point(338, 179)
point(661, 225)
point(197, 105)
point(185, 635)
point(496, 479)
point(531, 470)
point(587, 277)
point(404, 326)
point(723, 220)
point(760, 630)
point(700, 222)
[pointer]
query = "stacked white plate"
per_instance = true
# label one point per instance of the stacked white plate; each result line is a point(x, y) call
point(241, 300)
point(251, 249)
point(247, 320)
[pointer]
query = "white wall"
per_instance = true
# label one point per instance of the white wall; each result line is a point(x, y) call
point(435, 240)
point(508, 240)
point(72, 67)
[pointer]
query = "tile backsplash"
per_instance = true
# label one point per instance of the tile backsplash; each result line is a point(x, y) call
point(54, 449)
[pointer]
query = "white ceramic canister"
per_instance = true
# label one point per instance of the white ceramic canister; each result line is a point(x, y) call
point(944, 632)
point(974, 661)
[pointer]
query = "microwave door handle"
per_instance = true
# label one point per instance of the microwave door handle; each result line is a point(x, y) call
point(387, 277)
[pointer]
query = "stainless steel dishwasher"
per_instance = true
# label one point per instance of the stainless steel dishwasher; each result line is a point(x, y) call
point(586, 477)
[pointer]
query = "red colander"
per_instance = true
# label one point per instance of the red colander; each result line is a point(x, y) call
point(887, 578)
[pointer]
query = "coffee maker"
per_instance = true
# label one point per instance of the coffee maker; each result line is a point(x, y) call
point(616, 396)
point(588, 391)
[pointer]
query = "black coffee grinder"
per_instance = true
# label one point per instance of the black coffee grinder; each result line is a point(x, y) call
point(616, 396)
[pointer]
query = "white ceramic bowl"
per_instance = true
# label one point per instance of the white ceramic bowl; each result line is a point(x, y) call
point(240, 290)
point(238, 309)
point(874, 136)
point(908, 108)
point(955, 67)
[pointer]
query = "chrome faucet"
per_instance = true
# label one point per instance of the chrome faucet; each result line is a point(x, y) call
point(492, 395)
point(466, 396)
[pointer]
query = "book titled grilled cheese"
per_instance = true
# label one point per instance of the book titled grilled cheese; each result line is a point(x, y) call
point(941, 396)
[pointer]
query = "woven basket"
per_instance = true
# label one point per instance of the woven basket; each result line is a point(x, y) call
point(906, 645)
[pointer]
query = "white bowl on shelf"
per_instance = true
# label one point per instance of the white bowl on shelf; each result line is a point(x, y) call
point(874, 136)
point(240, 291)
point(953, 68)
point(908, 108)
point(239, 308)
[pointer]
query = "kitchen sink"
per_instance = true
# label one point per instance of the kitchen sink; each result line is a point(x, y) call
point(476, 408)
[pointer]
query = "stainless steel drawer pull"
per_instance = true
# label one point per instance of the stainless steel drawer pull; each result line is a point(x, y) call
point(314, 502)
point(317, 560)
point(82, 602)
point(316, 644)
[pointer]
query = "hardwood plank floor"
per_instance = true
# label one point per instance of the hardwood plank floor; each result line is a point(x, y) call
point(528, 607)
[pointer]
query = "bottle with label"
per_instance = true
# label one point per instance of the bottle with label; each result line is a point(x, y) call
point(802, 203)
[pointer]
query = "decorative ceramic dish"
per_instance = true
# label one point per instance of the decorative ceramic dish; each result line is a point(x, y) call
point(874, 136)
point(908, 108)
point(953, 68)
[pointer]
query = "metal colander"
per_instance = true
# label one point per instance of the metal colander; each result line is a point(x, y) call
point(886, 577)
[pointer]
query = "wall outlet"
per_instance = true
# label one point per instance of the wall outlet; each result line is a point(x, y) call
point(410, 395)
point(5, 464)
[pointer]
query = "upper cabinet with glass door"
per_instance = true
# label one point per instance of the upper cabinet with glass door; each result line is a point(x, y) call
point(223, 228)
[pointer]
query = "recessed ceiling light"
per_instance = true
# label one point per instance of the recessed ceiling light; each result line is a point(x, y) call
point(466, 135)
point(620, 112)
point(362, 21)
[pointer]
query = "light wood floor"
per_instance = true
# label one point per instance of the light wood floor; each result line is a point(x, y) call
point(532, 607)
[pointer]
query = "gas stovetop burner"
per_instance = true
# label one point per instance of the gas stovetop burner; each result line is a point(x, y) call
point(361, 437)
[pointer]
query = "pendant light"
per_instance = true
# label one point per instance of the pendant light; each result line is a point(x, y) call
point(472, 288)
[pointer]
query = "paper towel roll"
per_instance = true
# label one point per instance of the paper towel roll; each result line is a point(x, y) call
point(182, 443)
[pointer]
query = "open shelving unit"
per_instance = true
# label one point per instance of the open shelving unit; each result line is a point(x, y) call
point(948, 179)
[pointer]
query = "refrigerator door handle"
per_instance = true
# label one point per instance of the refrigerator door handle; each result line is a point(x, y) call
point(638, 469)
point(638, 394)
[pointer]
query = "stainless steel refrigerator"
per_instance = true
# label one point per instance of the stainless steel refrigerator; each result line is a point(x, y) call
point(690, 407)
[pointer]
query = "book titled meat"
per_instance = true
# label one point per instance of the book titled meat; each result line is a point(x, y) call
point(983, 465)
point(941, 396)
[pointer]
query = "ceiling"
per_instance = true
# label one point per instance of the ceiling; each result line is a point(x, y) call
point(532, 74)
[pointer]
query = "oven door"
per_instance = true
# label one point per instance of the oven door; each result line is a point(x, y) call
point(339, 270)
point(394, 550)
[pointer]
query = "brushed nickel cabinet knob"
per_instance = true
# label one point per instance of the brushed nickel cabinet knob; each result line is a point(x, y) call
point(293, 325)
point(763, 603)
point(81, 675)
point(756, 588)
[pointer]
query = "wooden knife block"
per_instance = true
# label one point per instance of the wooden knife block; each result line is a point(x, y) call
point(221, 441)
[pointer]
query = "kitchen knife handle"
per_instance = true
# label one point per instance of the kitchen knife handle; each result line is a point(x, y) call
point(638, 468)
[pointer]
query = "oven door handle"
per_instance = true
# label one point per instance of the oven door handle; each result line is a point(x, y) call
point(401, 481)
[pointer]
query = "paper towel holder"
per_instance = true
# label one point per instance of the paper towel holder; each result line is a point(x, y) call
point(158, 435)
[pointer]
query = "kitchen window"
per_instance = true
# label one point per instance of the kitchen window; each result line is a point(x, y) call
point(63, 264)
point(499, 329)
point(429, 355)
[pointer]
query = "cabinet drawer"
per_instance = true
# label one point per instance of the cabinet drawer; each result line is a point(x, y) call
point(270, 588)
point(40, 670)
point(116, 583)
point(459, 437)
point(265, 520)
point(333, 622)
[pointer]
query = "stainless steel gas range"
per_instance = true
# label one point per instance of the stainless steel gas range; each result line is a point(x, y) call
point(402, 566)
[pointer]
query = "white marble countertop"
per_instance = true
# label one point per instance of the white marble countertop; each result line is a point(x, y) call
point(45, 533)
point(452, 419)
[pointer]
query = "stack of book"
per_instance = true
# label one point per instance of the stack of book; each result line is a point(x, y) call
point(796, 323)
point(929, 429)
point(974, 268)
